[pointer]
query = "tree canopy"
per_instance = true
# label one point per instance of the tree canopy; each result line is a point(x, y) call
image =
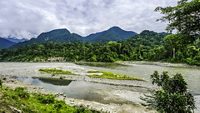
point(185, 17)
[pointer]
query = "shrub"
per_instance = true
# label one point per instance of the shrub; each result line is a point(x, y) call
point(172, 97)
point(46, 99)
point(21, 92)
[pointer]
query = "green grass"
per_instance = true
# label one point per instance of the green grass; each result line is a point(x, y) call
point(110, 75)
point(56, 71)
point(27, 102)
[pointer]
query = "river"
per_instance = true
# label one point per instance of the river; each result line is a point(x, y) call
point(82, 90)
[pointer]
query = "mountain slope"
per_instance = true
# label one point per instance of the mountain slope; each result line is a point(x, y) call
point(4, 43)
point(144, 46)
point(112, 34)
point(63, 35)
point(57, 35)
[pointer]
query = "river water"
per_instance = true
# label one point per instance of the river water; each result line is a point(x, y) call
point(144, 70)
point(103, 93)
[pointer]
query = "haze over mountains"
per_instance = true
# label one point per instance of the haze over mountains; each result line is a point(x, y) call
point(64, 35)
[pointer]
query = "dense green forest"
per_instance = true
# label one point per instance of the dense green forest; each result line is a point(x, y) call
point(184, 46)
point(141, 47)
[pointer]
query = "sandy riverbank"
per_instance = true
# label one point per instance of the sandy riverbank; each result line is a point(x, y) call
point(113, 90)
point(128, 93)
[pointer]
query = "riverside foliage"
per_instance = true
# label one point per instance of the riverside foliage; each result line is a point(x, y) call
point(173, 95)
point(20, 100)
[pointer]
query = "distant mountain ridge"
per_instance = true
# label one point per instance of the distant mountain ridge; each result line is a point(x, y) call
point(4, 43)
point(64, 35)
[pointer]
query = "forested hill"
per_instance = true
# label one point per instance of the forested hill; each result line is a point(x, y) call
point(146, 45)
point(113, 34)
point(57, 35)
point(184, 46)
point(64, 35)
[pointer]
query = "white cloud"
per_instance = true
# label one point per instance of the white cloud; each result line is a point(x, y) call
point(28, 18)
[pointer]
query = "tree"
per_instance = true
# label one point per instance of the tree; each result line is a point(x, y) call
point(176, 46)
point(172, 95)
point(185, 17)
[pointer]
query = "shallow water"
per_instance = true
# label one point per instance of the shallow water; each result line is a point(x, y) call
point(191, 74)
point(77, 89)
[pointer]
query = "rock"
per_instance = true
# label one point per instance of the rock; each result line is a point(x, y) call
point(15, 110)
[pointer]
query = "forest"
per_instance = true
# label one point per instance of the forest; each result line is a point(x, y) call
point(180, 45)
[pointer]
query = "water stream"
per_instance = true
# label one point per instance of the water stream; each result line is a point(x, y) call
point(100, 92)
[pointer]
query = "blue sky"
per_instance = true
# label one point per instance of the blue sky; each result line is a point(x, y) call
point(28, 18)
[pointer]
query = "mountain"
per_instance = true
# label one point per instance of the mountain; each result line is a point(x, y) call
point(4, 43)
point(112, 34)
point(57, 35)
point(146, 45)
point(63, 35)
point(16, 40)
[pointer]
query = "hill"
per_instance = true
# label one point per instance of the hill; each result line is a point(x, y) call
point(64, 35)
point(112, 34)
point(4, 43)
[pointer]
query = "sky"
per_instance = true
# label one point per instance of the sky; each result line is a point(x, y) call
point(29, 18)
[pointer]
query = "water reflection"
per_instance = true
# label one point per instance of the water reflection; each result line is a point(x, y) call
point(54, 81)
point(76, 89)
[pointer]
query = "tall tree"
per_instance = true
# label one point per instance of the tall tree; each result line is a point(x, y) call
point(184, 17)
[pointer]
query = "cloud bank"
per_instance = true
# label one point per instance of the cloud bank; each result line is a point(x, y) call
point(28, 18)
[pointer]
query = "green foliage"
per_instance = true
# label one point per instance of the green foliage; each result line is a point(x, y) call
point(147, 46)
point(21, 92)
point(173, 96)
point(35, 103)
point(184, 17)
point(55, 71)
point(110, 75)
point(136, 48)
point(48, 99)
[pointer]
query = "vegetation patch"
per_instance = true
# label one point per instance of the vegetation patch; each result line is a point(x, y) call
point(172, 96)
point(56, 71)
point(110, 75)
point(19, 100)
